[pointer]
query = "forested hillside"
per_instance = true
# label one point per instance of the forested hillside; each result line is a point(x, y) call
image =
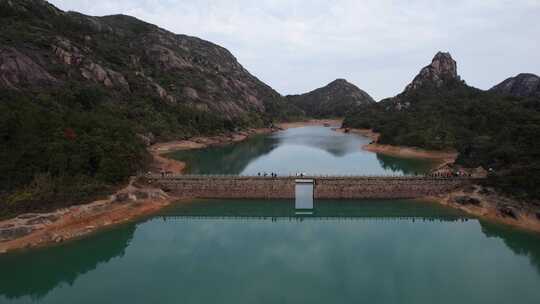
point(81, 96)
point(439, 111)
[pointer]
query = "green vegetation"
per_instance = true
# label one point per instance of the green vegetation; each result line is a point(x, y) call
point(76, 144)
point(73, 137)
point(488, 130)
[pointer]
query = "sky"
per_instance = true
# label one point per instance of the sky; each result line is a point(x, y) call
point(379, 45)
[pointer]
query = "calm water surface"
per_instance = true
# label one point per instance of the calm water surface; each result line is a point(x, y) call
point(245, 251)
point(311, 150)
point(261, 252)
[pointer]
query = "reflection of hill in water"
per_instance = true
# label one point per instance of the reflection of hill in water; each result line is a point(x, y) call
point(522, 243)
point(337, 144)
point(408, 166)
point(234, 158)
point(228, 159)
point(47, 268)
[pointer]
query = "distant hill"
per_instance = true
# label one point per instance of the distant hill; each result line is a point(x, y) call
point(522, 85)
point(438, 110)
point(333, 100)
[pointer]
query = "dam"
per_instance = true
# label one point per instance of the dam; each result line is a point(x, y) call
point(324, 187)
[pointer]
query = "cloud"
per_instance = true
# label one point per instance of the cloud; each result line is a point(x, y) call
point(296, 46)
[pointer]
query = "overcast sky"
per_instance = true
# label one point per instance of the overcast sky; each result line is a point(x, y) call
point(379, 45)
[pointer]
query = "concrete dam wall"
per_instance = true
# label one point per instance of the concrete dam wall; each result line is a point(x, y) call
point(324, 187)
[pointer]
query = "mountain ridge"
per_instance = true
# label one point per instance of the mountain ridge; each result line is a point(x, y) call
point(106, 51)
point(440, 111)
point(521, 85)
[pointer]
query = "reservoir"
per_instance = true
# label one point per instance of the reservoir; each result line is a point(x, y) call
point(311, 150)
point(257, 251)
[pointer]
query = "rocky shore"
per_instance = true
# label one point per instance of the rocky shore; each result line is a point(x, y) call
point(487, 204)
point(138, 200)
point(40, 229)
point(134, 201)
point(476, 200)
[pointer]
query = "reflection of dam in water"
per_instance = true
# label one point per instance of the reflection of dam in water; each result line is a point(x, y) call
point(191, 242)
point(322, 210)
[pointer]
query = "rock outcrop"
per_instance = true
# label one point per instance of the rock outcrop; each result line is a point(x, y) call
point(123, 54)
point(437, 78)
point(333, 100)
point(522, 85)
point(441, 71)
point(18, 70)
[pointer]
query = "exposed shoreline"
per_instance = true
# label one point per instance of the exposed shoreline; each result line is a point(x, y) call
point(493, 207)
point(490, 206)
point(165, 164)
point(136, 200)
point(35, 230)
point(441, 157)
point(401, 151)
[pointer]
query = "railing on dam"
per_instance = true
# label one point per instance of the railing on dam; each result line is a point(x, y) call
point(324, 186)
point(294, 177)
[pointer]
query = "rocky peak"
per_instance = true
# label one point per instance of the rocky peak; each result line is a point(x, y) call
point(441, 71)
point(339, 82)
point(522, 85)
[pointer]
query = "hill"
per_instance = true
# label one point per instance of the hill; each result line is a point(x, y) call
point(522, 85)
point(80, 96)
point(333, 100)
point(440, 111)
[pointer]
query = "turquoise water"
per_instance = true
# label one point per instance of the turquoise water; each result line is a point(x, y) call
point(260, 252)
point(311, 150)
point(245, 251)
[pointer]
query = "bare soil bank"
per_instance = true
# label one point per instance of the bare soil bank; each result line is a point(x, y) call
point(401, 151)
point(487, 204)
point(477, 201)
point(164, 164)
point(41, 229)
point(134, 201)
